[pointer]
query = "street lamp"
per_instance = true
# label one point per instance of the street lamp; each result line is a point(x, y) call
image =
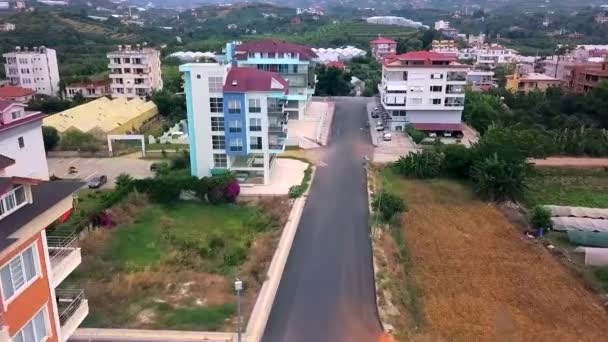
point(238, 286)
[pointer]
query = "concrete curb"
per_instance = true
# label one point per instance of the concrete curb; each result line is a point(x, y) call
point(127, 335)
point(263, 305)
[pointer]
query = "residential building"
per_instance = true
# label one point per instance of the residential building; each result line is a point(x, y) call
point(445, 46)
point(442, 25)
point(425, 89)
point(21, 141)
point(382, 47)
point(527, 82)
point(134, 72)
point(34, 69)
point(6, 27)
point(582, 78)
point(481, 80)
point(489, 55)
point(476, 40)
point(236, 120)
point(17, 94)
point(89, 89)
point(295, 63)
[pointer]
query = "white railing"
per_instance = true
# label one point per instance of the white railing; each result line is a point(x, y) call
point(64, 256)
point(73, 307)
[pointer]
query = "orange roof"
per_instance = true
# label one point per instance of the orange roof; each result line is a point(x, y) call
point(9, 92)
point(426, 56)
point(382, 40)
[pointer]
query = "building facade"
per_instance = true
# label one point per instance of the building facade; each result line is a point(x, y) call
point(583, 78)
point(134, 72)
point(445, 46)
point(481, 80)
point(236, 120)
point(382, 47)
point(489, 55)
point(295, 63)
point(89, 90)
point(21, 141)
point(35, 69)
point(425, 89)
point(530, 82)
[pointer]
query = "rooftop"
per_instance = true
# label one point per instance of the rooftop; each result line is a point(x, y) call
point(250, 79)
point(534, 76)
point(5, 162)
point(277, 46)
point(10, 92)
point(382, 40)
point(427, 57)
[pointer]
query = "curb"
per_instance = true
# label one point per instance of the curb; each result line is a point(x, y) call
point(92, 334)
point(263, 305)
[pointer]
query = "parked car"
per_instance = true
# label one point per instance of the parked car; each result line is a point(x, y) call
point(97, 182)
point(375, 114)
point(387, 137)
point(379, 126)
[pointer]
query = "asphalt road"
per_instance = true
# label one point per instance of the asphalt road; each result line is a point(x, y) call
point(327, 289)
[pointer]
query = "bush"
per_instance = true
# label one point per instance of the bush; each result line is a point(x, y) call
point(498, 179)
point(180, 161)
point(296, 191)
point(416, 135)
point(457, 160)
point(50, 136)
point(425, 164)
point(76, 140)
point(540, 217)
point(388, 205)
point(124, 181)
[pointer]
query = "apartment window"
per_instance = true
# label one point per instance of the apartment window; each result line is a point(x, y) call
point(35, 330)
point(215, 84)
point(405, 75)
point(235, 126)
point(436, 101)
point(16, 114)
point(127, 60)
point(255, 106)
point(436, 76)
point(416, 89)
point(415, 101)
point(218, 142)
point(220, 160)
point(21, 142)
point(19, 273)
point(236, 145)
point(398, 113)
point(255, 125)
point(251, 54)
point(256, 143)
point(234, 106)
point(217, 124)
point(436, 88)
point(127, 70)
point(216, 105)
point(116, 60)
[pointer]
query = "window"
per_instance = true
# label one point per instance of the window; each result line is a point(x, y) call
point(218, 142)
point(116, 60)
point(21, 142)
point(16, 114)
point(416, 89)
point(255, 106)
point(415, 101)
point(12, 200)
point(405, 75)
point(234, 106)
point(217, 124)
point(255, 125)
point(236, 145)
point(436, 76)
point(236, 126)
point(215, 84)
point(436, 88)
point(35, 330)
point(19, 273)
point(256, 143)
point(216, 105)
point(398, 113)
point(220, 160)
point(436, 101)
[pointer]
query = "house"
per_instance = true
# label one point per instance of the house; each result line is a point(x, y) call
point(582, 78)
point(336, 64)
point(236, 120)
point(382, 47)
point(527, 82)
point(21, 141)
point(425, 89)
point(481, 80)
point(442, 25)
point(35, 69)
point(17, 94)
point(89, 89)
point(134, 72)
point(295, 63)
point(445, 46)
point(6, 27)
point(488, 56)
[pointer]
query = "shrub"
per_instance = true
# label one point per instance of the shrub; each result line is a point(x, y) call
point(498, 179)
point(76, 140)
point(457, 160)
point(540, 217)
point(296, 191)
point(50, 136)
point(124, 181)
point(425, 164)
point(388, 205)
point(180, 160)
point(416, 135)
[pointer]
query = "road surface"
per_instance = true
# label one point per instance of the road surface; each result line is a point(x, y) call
point(327, 290)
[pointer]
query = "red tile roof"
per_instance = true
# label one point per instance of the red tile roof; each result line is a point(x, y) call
point(336, 64)
point(27, 119)
point(10, 92)
point(276, 46)
point(382, 40)
point(249, 79)
point(6, 103)
point(425, 56)
point(438, 126)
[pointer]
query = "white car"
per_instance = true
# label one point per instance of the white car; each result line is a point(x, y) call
point(387, 137)
point(379, 126)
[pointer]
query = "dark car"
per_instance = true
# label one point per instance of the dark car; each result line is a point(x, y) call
point(97, 182)
point(375, 114)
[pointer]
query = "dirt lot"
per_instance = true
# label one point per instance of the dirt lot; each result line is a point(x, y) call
point(480, 279)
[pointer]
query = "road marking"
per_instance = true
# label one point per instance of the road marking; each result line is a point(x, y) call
point(73, 161)
point(322, 164)
point(89, 176)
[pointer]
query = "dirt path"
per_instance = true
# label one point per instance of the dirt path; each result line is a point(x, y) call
point(571, 162)
point(482, 280)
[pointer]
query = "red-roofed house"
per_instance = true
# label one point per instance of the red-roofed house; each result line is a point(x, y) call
point(336, 64)
point(17, 94)
point(383, 47)
point(423, 88)
point(89, 89)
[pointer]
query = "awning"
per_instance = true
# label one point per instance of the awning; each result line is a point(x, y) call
point(438, 127)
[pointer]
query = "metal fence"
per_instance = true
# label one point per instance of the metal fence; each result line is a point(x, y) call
point(68, 301)
point(60, 246)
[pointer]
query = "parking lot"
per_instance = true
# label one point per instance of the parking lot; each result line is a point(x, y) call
point(388, 151)
point(91, 167)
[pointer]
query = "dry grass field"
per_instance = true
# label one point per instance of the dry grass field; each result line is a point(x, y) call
point(480, 279)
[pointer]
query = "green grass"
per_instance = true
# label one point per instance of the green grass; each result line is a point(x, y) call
point(566, 186)
point(191, 318)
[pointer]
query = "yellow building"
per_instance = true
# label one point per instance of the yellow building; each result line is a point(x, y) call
point(118, 116)
point(530, 81)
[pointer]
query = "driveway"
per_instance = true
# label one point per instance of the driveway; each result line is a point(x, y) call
point(91, 167)
point(327, 290)
point(388, 151)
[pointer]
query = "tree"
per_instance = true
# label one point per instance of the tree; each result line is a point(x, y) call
point(50, 136)
point(498, 179)
point(332, 82)
point(540, 217)
point(428, 36)
point(388, 205)
point(171, 106)
point(407, 45)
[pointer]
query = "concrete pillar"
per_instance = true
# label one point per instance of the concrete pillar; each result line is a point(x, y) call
point(266, 168)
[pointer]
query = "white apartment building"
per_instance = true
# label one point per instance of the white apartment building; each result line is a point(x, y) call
point(236, 120)
point(489, 55)
point(442, 25)
point(134, 72)
point(445, 46)
point(425, 89)
point(89, 89)
point(34, 68)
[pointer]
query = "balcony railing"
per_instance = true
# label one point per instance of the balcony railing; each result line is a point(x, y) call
point(276, 146)
point(272, 128)
point(73, 307)
point(64, 255)
point(457, 76)
point(454, 90)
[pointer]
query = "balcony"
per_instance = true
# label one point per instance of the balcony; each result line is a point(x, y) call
point(454, 89)
point(64, 255)
point(277, 128)
point(73, 307)
point(454, 101)
point(454, 76)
